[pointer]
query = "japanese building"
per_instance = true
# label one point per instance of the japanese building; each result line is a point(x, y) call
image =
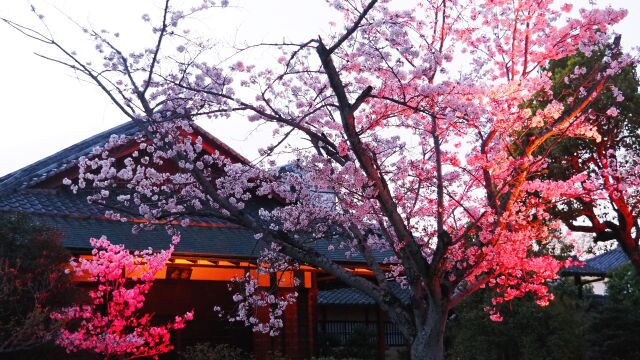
point(211, 252)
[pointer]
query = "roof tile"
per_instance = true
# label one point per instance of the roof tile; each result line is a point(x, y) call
point(599, 265)
point(351, 296)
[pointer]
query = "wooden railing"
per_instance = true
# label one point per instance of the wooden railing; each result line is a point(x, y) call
point(343, 331)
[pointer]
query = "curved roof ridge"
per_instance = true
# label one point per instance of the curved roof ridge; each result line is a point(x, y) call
point(220, 143)
point(61, 160)
point(609, 260)
point(67, 157)
point(600, 264)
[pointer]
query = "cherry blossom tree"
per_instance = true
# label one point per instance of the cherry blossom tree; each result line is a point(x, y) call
point(111, 324)
point(426, 168)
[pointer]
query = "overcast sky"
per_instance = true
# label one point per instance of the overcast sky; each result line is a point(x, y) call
point(45, 108)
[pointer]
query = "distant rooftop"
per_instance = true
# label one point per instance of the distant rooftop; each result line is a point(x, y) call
point(351, 296)
point(599, 265)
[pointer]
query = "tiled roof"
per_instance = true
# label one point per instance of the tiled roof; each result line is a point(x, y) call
point(60, 161)
point(66, 158)
point(79, 220)
point(599, 265)
point(340, 254)
point(217, 241)
point(63, 203)
point(49, 202)
point(211, 238)
point(344, 296)
point(351, 296)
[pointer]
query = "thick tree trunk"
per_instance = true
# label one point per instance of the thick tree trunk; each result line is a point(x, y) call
point(635, 261)
point(428, 343)
point(626, 241)
point(634, 255)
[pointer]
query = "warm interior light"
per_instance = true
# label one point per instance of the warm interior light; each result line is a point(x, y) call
point(204, 262)
point(182, 261)
point(178, 273)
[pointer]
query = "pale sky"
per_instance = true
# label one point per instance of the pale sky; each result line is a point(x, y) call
point(45, 108)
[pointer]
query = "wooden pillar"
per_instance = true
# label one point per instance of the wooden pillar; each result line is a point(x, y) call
point(290, 344)
point(312, 308)
point(262, 343)
point(380, 330)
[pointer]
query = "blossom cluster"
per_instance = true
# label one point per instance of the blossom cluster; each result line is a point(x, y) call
point(262, 309)
point(112, 323)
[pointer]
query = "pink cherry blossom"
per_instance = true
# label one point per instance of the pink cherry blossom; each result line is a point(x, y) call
point(111, 323)
point(426, 170)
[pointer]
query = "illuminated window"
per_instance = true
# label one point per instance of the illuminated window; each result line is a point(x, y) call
point(178, 273)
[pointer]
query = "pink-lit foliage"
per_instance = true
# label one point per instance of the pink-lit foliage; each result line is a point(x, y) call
point(112, 324)
point(411, 136)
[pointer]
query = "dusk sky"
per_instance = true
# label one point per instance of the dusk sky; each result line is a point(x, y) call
point(46, 108)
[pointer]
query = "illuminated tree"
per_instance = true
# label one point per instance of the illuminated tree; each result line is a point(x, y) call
point(111, 324)
point(398, 151)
